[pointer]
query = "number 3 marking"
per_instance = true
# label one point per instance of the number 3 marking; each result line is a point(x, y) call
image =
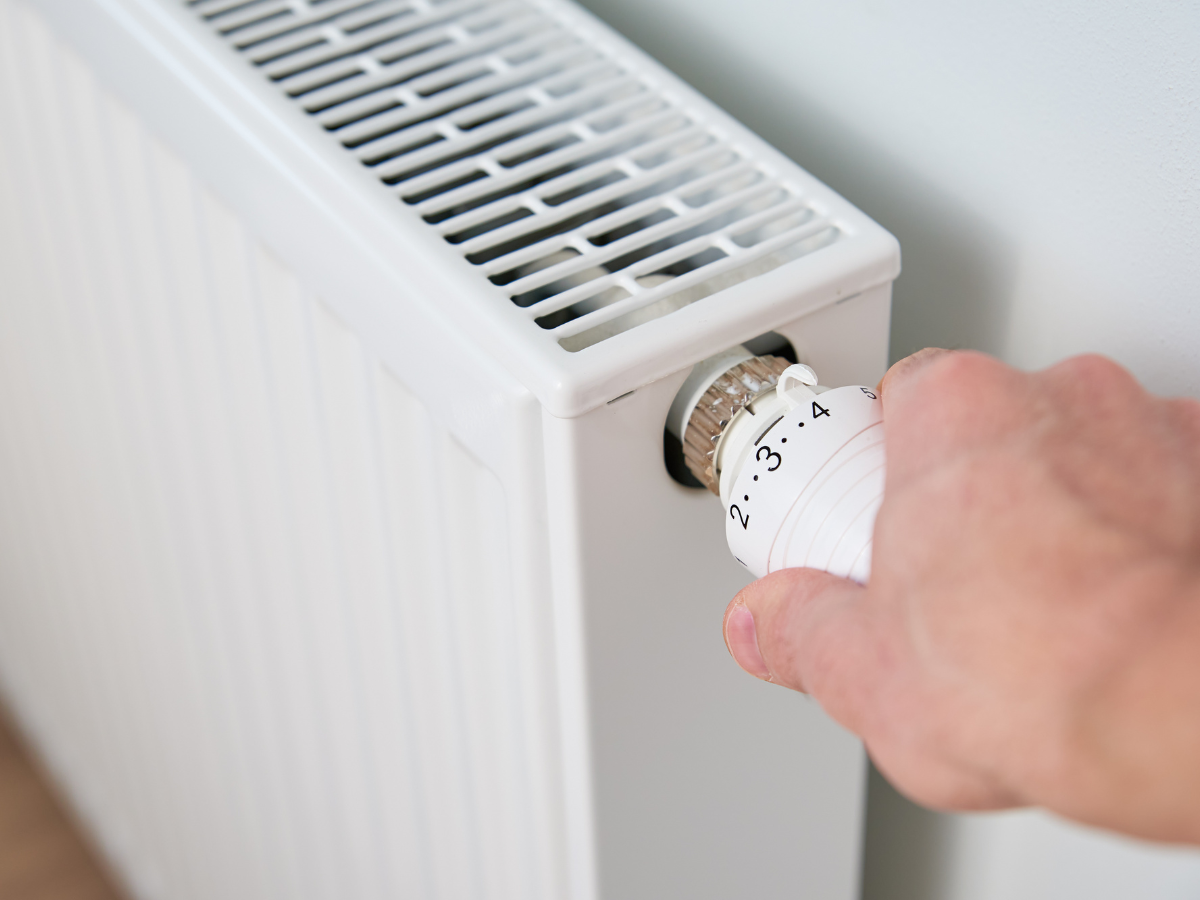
point(737, 514)
point(767, 450)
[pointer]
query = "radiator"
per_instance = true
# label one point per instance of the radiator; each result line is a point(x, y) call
point(338, 554)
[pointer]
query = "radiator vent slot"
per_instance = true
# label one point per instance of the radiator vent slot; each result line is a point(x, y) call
point(593, 201)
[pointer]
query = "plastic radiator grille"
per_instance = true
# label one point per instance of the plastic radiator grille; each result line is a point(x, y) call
point(594, 201)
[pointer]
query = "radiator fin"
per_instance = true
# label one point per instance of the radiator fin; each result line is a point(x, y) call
point(594, 200)
point(241, 635)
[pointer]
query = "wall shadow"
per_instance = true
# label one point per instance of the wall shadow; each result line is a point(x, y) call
point(905, 846)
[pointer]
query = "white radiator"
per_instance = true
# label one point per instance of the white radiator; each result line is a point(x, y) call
point(338, 556)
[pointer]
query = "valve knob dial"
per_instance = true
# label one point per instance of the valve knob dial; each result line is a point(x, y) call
point(806, 490)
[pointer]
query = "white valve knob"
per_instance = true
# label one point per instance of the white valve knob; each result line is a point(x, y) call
point(806, 489)
point(800, 470)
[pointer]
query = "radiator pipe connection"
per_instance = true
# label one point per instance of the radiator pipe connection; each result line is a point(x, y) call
point(799, 467)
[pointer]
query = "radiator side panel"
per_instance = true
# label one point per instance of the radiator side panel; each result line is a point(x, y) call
point(708, 784)
point(264, 659)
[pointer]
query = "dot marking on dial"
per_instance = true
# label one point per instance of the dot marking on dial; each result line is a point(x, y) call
point(783, 440)
point(756, 478)
point(801, 424)
point(746, 497)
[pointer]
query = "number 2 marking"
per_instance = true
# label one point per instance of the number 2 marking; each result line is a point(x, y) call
point(737, 514)
point(767, 450)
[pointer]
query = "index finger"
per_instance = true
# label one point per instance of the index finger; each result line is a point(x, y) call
point(903, 370)
point(941, 404)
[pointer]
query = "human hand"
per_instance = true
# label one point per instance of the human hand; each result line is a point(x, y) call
point(1031, 630)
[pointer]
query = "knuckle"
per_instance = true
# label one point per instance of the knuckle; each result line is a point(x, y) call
point(961, 369)
point(785, 595)
point(1094, 370)
point(942, 407)
point(822, 664)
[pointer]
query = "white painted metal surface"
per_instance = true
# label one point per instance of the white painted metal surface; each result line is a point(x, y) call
point(324, 570)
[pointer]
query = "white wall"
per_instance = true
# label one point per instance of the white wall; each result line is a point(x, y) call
point(1040, 164)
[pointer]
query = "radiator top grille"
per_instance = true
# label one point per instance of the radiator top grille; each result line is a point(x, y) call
point(593, 200)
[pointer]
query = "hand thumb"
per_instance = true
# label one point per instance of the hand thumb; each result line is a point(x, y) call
point(796, 628)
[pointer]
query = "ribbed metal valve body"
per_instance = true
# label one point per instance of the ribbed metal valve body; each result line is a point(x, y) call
point(726, 397)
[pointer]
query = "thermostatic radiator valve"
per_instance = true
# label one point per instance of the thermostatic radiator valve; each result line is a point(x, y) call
point(799, 467)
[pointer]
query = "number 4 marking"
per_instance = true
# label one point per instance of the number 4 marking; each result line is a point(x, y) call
point(819, 410)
